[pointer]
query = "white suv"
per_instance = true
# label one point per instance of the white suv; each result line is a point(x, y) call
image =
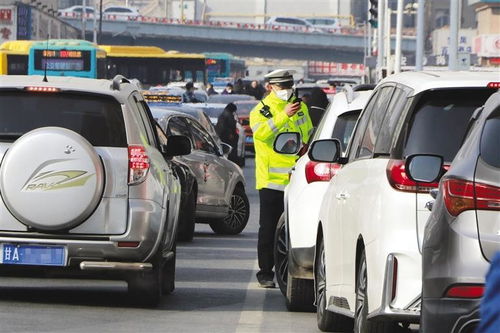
point(296, 230)
point(87, 189)
point(371, 222)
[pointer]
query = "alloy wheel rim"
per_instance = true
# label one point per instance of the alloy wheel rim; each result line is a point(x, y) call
point(236, 213)
point(321, 283)
point(282, 251)
point(359, 320)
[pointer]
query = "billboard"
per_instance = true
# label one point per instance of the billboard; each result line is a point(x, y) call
point(487, 46)
point(8, 23)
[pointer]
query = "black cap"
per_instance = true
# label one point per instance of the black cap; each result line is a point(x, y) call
point(189, 85)
point(231, 107)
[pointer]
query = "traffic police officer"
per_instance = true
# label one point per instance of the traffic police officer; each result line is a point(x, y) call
point(279, 112)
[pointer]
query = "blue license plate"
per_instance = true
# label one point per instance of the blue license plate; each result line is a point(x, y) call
point(27, 254)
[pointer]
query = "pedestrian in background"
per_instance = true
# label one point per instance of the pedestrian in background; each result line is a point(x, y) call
point(210, 90)
point(278, 112)
point(318, 103)
point(188, 96)
point(226, 130)
point(256, 90)
point(228, 90)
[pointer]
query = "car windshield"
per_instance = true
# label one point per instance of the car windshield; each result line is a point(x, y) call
point(213, 112)
point(243, 109)
point(98, 119)
point(440, 122)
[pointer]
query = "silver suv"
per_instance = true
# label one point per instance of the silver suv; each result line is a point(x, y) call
point(85, 185)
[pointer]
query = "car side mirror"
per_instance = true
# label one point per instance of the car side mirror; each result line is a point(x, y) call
point(287, 143)
point(226, 149)
point(327, 150)
point(177, 145)
point(424, 168)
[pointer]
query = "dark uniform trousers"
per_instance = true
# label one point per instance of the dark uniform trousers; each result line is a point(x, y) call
point(271, 208)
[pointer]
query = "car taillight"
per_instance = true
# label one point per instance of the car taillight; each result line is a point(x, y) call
point(138, 162)
point(320, 171)
point(465, 291)
point(396, 174)
point(460, 195)
point(494, 85)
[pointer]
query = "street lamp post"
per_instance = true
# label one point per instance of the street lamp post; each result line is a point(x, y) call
point(453, 50)
point(419, 57)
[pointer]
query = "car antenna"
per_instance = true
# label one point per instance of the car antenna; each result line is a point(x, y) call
point(45, 58)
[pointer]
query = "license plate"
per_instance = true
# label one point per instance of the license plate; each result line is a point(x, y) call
point(40, 255)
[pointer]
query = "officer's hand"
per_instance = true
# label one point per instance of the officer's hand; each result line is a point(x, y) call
point(292, 109)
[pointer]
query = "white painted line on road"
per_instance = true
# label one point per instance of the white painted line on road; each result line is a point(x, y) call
point(251, 316)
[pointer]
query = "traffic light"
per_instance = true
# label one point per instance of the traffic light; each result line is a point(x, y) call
point(373, 13)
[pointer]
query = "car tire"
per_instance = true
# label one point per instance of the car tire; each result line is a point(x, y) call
point(187, 218)
point(327, 321)
point(361, 323)
point(237, 217)
point(281, 254)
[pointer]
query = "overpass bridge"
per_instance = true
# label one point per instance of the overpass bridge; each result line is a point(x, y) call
point(240, 40)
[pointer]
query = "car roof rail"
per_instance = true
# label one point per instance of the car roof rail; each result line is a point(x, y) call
point(117, 80)
point(364, 87)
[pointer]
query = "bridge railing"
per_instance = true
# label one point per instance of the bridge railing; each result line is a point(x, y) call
point(222, 24)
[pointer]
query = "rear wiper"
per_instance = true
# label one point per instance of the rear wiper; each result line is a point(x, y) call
point(10, 136)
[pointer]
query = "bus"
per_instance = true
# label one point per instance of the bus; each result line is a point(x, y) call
point(224, 65)
point(14, 57)
point(67, 57)
point(154, 66)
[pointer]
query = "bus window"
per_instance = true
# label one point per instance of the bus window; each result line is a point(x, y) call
point(200, 76)
point(188, 76)
point(17, 64)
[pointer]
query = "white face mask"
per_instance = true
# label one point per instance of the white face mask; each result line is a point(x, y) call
point(284, 94)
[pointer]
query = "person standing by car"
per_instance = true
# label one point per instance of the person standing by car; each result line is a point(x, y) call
point(278, 112)
point(188, 96)
point(318, 102)
point(226, 130)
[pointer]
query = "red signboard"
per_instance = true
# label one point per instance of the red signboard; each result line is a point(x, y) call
point(5, 14)
point(334, 68)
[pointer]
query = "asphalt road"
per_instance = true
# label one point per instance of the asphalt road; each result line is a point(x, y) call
point(216, 291)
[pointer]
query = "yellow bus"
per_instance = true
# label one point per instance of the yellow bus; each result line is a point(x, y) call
point(14, 57)
point(152, 65)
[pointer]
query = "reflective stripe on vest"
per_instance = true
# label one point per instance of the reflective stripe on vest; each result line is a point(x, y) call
point(280, 170)
point(301, 121)
point(270, 122)
point(277, 187)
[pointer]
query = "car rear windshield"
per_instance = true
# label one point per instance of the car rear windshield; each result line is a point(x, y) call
point(344, 126)
point(98, 119)
point(439, 124)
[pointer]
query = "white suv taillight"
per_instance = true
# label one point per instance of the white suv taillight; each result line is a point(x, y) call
point(138, 163)
point(320, 171)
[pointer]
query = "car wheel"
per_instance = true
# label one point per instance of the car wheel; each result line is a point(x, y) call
point(361, 322)
point(187, 218)
point(327, 321)
point(281, 254)
point(237, 217)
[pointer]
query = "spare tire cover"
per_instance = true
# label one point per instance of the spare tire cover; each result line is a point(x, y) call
point(51, 178)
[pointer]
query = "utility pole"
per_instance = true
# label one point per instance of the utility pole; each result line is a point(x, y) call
point(419, 57)
point(399, 33)
point(99, 40)
point(380, 37)
point(84, 18)
point(94, 39)
point(453, 49)
point(182, 11)
point(388, 46)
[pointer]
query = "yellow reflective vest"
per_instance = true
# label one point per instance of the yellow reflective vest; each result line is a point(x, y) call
point(271, 168)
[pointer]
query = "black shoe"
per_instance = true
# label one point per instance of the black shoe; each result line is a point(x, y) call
point(266, 283)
